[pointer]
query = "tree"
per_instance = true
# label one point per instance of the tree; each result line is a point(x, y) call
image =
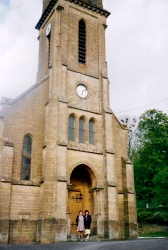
point(151, 158)
point(131, 123)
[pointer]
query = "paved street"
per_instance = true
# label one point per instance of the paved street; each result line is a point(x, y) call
point(140, 244)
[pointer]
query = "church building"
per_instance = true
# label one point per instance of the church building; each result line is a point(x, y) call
point(62, 149)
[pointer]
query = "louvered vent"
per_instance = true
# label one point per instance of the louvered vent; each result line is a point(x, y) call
point(82, 42)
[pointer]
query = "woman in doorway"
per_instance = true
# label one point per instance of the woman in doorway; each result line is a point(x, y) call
point(87, 223)
point(80, 224)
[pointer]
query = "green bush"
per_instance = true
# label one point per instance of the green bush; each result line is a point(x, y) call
point(157, 215)
point(155, 234)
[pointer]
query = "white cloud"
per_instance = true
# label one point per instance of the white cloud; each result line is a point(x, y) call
point(19, 47)
point(137, 57)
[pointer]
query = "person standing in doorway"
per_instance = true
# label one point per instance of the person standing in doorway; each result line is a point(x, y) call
point(80, 224)
point(87, 223)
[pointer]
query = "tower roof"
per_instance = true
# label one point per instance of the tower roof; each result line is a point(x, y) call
point(45, 4)
point(94, 5)
point(97, 3)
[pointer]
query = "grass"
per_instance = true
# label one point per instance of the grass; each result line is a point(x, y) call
point(155, 234)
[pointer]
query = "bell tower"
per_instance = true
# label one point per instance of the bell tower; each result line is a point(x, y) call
point(83, 165)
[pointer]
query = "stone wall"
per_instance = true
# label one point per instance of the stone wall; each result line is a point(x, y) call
point(20, 200)
point(22, 231)
point(152, 228)
point(25, 115)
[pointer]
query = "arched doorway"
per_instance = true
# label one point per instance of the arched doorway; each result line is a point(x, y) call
point(80, 196)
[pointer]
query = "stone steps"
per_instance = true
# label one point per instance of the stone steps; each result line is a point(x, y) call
point(74, 237)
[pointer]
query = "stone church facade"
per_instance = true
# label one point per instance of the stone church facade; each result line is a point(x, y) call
point(62, 149)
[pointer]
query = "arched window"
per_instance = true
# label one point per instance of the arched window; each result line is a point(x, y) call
point(91, 132)
point(71, 128)
point(26, 158)
point(81, 130)
point(82, 42)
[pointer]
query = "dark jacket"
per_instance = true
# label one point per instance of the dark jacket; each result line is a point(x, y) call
point(87, 221)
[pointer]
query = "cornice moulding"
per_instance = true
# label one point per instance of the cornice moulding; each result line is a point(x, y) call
point(78, 2)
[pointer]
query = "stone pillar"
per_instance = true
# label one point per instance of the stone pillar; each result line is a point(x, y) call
point(61, 195)
point(56, 81)
point(113, 212)
point(68, 224)
point(104, 82)
point(106, 103)
point(54, 164)
point(97, 221)
point(5, 189)
point(121, 213)
point(130, 213)
point(112, 217)
point(47, 221)
point(131, 201)
point(61, 174)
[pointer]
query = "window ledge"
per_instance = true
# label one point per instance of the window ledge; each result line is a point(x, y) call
point(84, 147)
point(26, 183)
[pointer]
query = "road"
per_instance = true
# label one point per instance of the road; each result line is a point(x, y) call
point(140, 244)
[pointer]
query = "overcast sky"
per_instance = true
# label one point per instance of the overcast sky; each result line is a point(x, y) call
point(136, 49)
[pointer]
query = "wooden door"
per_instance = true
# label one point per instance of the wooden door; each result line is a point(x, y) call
point(79, 196)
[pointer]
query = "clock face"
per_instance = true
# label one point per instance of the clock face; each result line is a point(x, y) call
point(48, 29)
point(82, 91)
